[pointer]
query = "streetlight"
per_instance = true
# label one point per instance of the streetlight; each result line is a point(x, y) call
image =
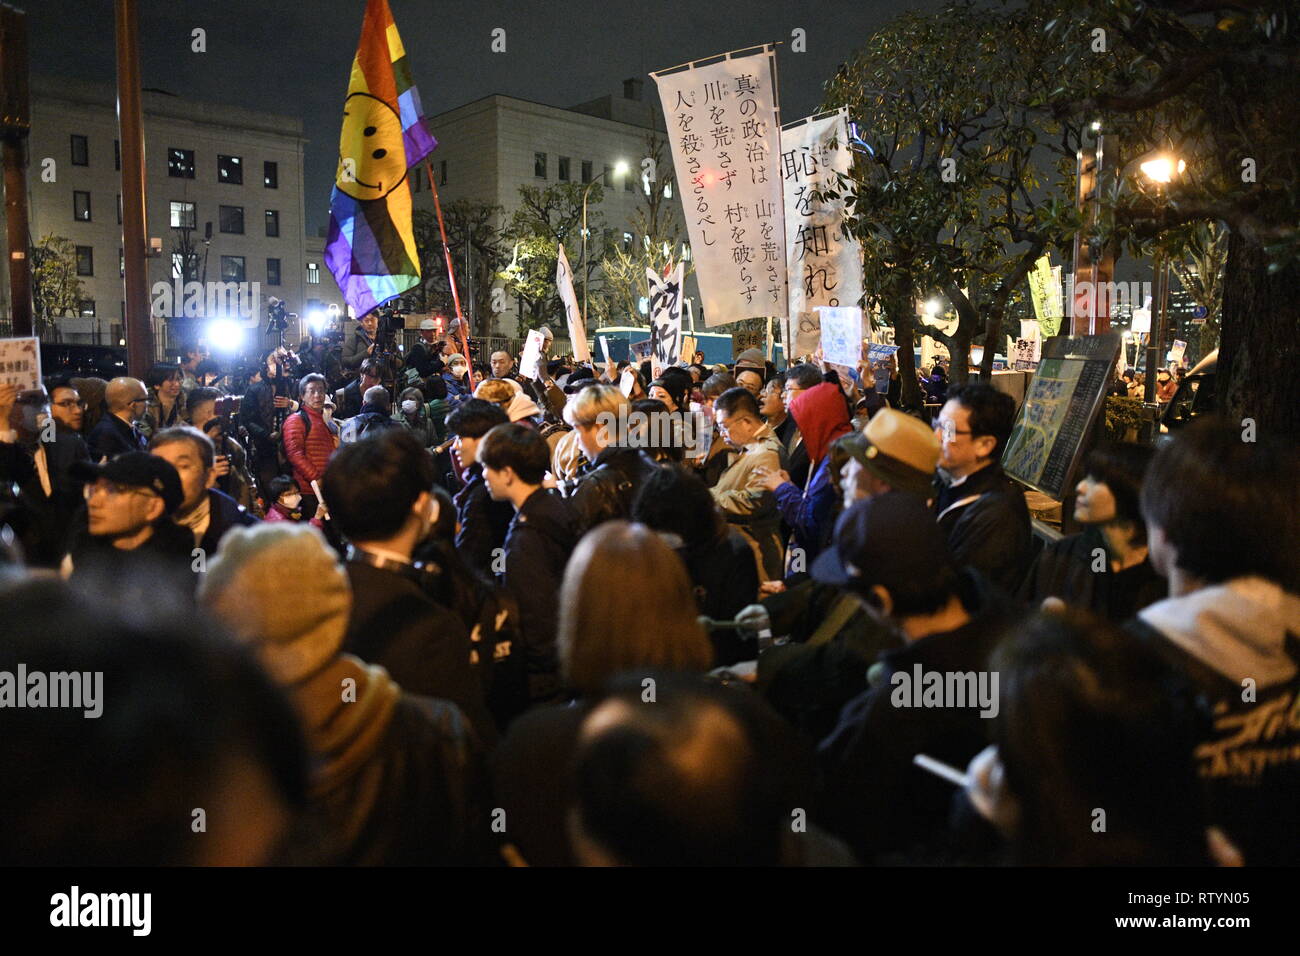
point(620, 168)
point(1161, 169)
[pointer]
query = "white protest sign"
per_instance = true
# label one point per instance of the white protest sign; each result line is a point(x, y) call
point(20, 364)
point(577, 327)
point(841, 334)
point(666, 315)
point(604, 347)
point(807, 335)
point(824, 264)
point(1178, 351)
point(532, 354)
point(724, 129)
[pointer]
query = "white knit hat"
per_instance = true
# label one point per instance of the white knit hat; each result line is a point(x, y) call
point(279, 587)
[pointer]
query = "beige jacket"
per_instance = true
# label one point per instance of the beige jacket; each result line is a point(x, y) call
point(749, 507)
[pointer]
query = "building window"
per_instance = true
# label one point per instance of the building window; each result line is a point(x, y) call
point(271, 175)
point(183, 215)
point(81, 206)
point(609, 177)
point(85, 260)
point(586, 170)
point(627, 182)
point(273, 223)
point(272, 271)
point(627, 242)
point(442, 173)
point(230, 169)
point(180, 163)
point(119, 209)
point(232, 268)
point(121, 264)
point(178, 265)
point(313, 273)
point(231, 219)
point(415, 179)
point(87, 308)
point(539, 165)
point(668, 189)
point(80, 151)
point(563, 165)
point(117, 155)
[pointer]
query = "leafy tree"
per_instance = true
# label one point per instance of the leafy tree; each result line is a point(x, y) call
point(657, 232)
point(546, 217)
point(56, 290)
point(474, 240)
point(1213, 83)
point(1205, 250)
point(948, 188)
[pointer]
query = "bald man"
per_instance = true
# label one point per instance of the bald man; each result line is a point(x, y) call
point(126, 400)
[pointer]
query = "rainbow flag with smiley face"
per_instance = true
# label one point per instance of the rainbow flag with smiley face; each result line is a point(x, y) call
point(371, 244)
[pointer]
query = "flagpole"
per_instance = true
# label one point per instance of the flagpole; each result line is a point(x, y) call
point(451, 275)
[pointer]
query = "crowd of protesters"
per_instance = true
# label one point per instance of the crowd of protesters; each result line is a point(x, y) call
point(398, 610)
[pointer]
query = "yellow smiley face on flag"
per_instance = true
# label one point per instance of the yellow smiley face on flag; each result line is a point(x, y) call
point(372, 161)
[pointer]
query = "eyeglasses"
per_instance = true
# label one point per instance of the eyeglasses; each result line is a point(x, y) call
point(948, 431)
point(140, 401)
point(70, 403)
point(112, 488)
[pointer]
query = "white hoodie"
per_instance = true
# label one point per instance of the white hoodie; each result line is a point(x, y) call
point(1237, 628)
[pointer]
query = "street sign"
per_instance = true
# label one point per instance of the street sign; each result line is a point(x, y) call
point(1200, 312)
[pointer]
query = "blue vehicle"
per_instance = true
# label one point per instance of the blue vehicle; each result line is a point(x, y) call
point(717, 347)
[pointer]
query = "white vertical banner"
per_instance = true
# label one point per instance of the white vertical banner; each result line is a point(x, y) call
point(825, 263)
point(666, 315)
point(577, 328)
point(724, 127)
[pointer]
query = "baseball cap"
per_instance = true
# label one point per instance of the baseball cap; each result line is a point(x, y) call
point(137, 469)
point(897, 448)
point(891, 540)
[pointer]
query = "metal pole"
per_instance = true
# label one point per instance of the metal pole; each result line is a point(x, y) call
point(1156, 336)
point(15, 124)
point(139, 332)
point(451, 275)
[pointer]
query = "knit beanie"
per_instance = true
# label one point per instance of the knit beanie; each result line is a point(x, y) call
point(279, 587)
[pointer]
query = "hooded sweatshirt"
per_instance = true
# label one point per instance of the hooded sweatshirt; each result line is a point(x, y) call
point(822, 417)
point(1239, 643)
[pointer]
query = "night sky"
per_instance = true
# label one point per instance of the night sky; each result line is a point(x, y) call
point(294, 56)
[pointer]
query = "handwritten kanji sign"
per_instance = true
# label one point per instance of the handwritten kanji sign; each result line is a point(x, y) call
point(666, 315)
point(724, 129)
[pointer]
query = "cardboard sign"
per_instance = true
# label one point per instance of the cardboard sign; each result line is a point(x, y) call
point(20, 364)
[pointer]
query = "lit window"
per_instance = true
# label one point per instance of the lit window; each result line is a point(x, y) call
point(183, 215)
point(230, 169)
point(313, 273)
point(180, 163)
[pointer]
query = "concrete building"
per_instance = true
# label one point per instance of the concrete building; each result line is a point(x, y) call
point(222, 172)
point(489, 148)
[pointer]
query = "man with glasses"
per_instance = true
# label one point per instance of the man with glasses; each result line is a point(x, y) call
point(746, 504)
point(981, 511)
point(127, 401)
point(66, 404)
point(36, 454)
point(129, 500)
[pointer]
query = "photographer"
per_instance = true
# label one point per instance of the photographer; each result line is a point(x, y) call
point(211, 413)
point(262, 412)
point(360, 345)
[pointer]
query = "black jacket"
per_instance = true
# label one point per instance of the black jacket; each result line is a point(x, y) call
point(725, 579)
point(352, 399)
point(164, 562)
point(1064, 569)
point(990, 533)
point(422, 645)
point(483, 523)
point(42, 522)
point(257, 415)
point(875, 797)
point(604, 489)
point(800, 465)
point(425, 358)
point(539, 541)
point(111, 437)
point(225, 513)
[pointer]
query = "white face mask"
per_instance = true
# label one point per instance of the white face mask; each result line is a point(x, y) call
point(291, 501)
point(458, 371)
point(410, 406)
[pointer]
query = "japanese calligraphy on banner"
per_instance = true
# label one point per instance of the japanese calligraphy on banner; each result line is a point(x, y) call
point(577, 327)
point(20, 364)
point(724, 127)
point(666, 315)
point(825, 264)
